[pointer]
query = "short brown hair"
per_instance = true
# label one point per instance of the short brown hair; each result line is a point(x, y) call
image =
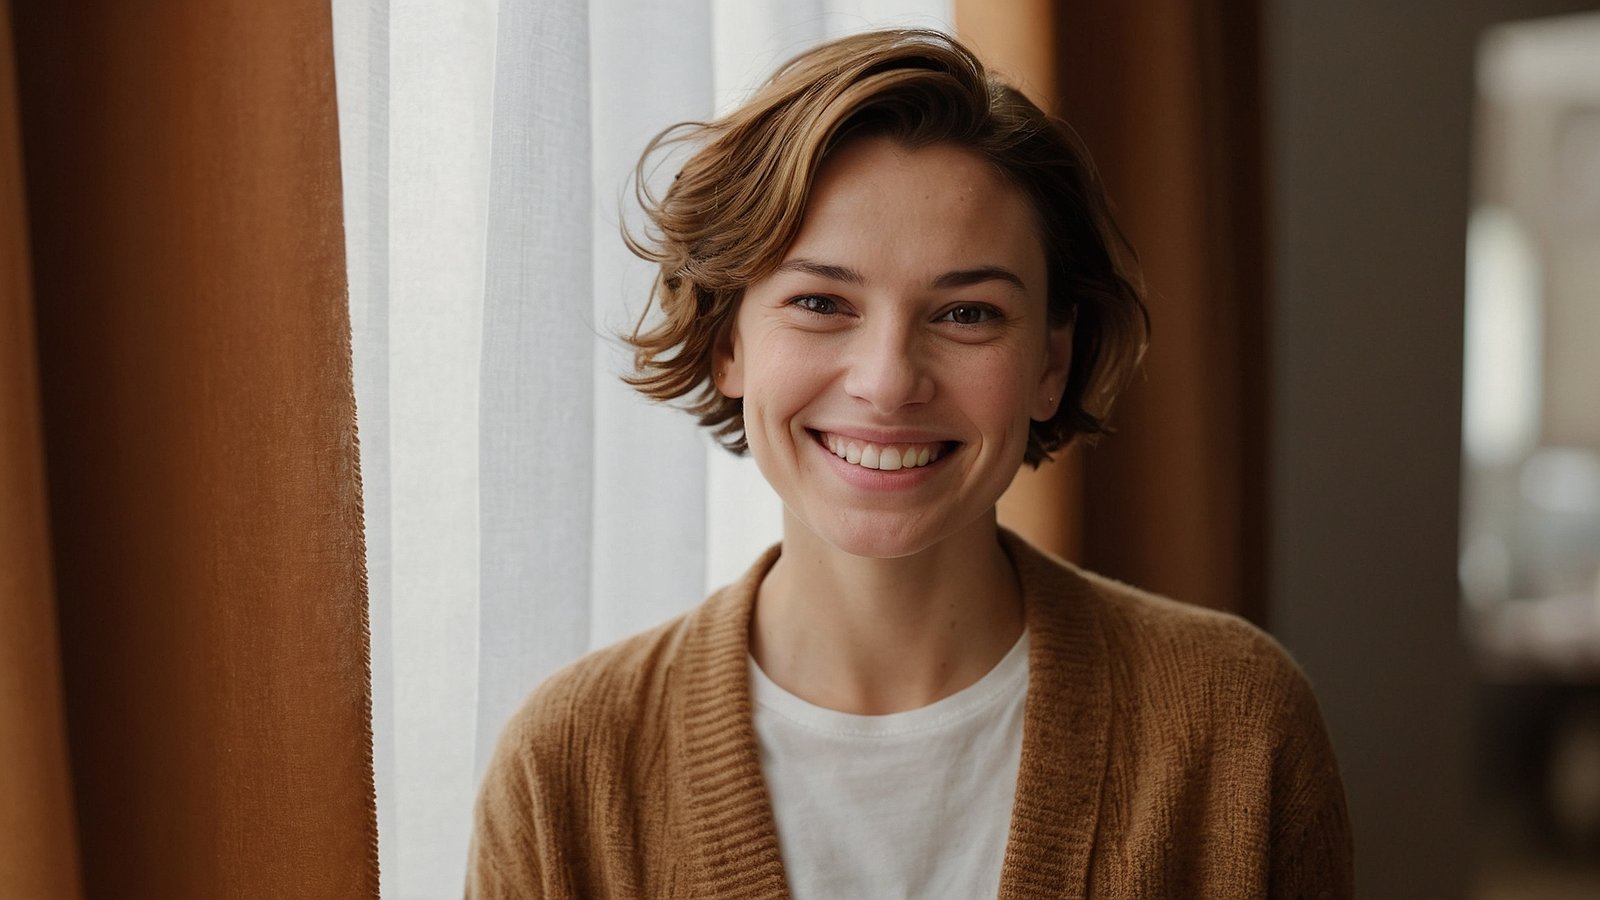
point(733, 210)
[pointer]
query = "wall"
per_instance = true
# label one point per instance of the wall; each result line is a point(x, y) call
point(1369, 112)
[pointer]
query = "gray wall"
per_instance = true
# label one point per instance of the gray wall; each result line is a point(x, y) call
point(1369, 106)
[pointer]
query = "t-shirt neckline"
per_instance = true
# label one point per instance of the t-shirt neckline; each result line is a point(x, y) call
point(999, 681)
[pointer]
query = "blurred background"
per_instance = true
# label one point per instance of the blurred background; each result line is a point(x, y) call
point(1530, 502)
point(233, 233)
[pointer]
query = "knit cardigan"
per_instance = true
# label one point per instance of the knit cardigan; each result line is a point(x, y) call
point(1167, 752)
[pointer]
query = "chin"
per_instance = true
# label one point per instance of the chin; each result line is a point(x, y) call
point(882, 537)
point(878, 547)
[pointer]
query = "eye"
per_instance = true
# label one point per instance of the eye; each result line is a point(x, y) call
point(816, 303)
point(969, 314)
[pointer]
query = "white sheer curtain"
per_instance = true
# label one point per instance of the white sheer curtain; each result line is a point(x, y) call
point(522, 505)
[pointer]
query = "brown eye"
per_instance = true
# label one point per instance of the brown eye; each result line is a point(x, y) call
point(822, 306)
point(969, 314)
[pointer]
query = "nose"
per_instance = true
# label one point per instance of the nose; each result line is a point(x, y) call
point(887, 368)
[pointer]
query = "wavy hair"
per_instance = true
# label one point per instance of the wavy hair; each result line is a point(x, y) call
point(731, 213)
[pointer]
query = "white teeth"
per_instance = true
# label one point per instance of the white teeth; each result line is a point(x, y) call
point(887, 459)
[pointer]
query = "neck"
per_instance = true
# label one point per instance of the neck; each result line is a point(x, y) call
point(874, 636)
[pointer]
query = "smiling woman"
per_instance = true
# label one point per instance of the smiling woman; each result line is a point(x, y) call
point(892, 280)
point(908, 318)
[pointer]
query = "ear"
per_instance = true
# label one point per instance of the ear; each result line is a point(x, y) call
point(1052, 385)
point(727, 364)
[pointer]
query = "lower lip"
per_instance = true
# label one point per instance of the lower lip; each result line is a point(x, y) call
point(879, 479)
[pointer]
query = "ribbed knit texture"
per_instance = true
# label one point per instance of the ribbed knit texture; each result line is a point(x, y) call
point(1168, 751)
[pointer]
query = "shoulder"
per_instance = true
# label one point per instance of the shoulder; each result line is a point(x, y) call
point(602, 695)
point(570, 738)
point(578, 729)
point(1210, 706)
point(1161, 653)
point(1218, 684)
point(1164, 638)
point(618, 701)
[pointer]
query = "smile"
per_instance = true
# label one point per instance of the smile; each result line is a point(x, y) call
point(883, 457)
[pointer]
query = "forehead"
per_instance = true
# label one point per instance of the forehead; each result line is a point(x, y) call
point(878, 205)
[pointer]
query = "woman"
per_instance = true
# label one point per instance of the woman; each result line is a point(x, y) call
point(893, 281)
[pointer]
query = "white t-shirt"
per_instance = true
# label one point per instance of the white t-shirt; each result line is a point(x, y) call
point(912, 804)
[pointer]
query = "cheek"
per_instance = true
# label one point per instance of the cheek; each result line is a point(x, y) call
point(995, 384)
point(781, 375)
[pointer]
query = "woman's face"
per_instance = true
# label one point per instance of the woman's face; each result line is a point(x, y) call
point(891, 365)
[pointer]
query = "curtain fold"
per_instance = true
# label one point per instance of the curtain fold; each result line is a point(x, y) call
point(1166, 93)
point(536, 416)
point(39, 856)
point(528, 505)
point(650, 65)
point(360, 33)
point(183, 216)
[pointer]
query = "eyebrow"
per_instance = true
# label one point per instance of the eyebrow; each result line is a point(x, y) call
point(965, 277)
point(958, 278)
point(822, 270)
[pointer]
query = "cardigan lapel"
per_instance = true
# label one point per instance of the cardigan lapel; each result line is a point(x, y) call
point(728, 826)
point(1066, 723)
point(726, 814)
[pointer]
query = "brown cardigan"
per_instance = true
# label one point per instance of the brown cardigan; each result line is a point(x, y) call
point(1168, 751)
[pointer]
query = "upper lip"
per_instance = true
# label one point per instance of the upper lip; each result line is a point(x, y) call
point(883, 436)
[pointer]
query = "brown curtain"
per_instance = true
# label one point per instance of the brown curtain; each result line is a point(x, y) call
point(1166, 93)
point(38, 850)
point(184, 696)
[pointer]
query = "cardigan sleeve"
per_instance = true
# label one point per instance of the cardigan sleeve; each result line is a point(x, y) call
point(518, 850)
point(503, 859)
point(1312, 848)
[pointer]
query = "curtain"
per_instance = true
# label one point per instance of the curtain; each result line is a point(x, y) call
point(183, 663)
point(523, 505)
point(1166, 93)
point(40, 855)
